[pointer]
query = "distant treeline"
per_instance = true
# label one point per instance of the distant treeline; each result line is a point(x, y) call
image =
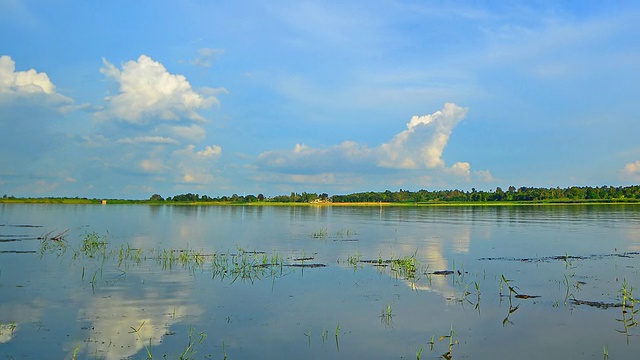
point(573, 194)
point(512, 194)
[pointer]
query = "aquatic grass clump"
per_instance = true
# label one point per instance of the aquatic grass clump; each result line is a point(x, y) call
point(247, 265)
point(320, 233)
point(93, 244)
point(628, 319)
point(339, 235)
point(56, 244)
point(406, 267)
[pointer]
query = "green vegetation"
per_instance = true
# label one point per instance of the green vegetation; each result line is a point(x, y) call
point(513, 195)
point(628, 319)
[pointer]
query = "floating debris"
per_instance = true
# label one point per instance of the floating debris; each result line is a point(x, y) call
point(525, 296)
point(304, 259)
point(630, 254)
point(307, 265)
point(598, 304)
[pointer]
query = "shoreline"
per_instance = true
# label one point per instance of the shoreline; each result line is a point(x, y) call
point(74, 201)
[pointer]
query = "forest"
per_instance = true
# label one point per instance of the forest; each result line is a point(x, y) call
point(511, 194)
point(573, 194)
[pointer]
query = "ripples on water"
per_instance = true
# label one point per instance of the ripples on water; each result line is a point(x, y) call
point(567, 263)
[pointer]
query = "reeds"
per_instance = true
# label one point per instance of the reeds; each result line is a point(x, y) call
point(628, 319)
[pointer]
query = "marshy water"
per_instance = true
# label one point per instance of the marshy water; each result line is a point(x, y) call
point(253, 282)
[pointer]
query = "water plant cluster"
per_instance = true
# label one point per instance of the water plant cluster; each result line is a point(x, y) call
point(240, 264)
point(244, 265)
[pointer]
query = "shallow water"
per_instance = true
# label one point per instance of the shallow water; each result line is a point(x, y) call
point(57, 299)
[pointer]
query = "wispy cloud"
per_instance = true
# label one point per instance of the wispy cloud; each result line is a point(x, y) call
point(148, 140)
point(206, 57)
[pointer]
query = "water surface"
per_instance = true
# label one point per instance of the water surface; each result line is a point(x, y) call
point(574, 259)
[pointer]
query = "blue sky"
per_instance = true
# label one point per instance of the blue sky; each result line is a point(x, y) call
point(126, 99)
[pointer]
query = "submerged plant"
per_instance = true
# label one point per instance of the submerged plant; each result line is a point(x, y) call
point(320, 234)
point(449, 354)
point(512, 290)
point(93, 244)
point(628, 319)
point(137, 332)
point(354, 260)
point(56, 244)
point(406, 267)
point(195, 338)
point(386, 315)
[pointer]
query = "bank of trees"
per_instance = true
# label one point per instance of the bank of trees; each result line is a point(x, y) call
point(570, 194)
point(573, 193)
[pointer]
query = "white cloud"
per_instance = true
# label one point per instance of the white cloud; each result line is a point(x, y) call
point(631, 171)
point(25, 84)
point(461, 169)
point(210, 152)
point(148, 90)
point(422, 144)
point(418, 147)
point(411, 156)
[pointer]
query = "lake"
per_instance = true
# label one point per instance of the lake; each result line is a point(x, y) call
point(319, 282)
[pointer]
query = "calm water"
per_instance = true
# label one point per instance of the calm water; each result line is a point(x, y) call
point(55, 303)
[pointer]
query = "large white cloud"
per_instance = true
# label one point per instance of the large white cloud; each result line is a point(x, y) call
point(412, 157)
point(27, 84)
point(422, 144)
point(149, 91)
point(418, 148)
point(30, 81)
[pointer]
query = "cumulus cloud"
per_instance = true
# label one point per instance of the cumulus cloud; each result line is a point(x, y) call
point(148, 90)
point(418, 147)
point(210, 152)
point(631, 171)
point(412, 156)
point(422, 144)
point(29, 81)
point(24, 84)
point(462, 169)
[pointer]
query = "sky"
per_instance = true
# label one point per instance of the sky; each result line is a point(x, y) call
point(125, 99)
